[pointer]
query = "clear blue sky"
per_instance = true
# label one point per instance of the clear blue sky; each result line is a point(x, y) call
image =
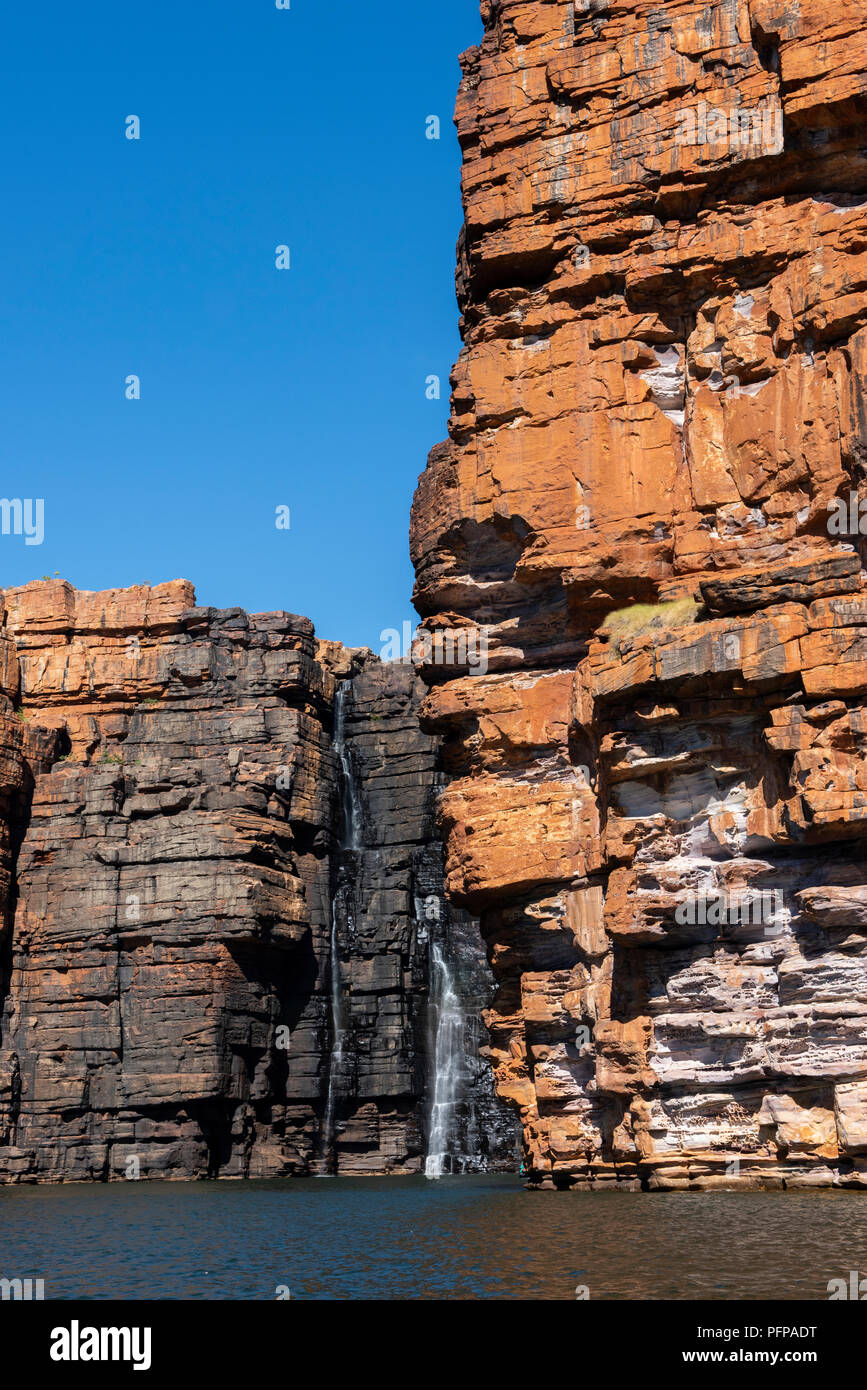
point(259, 387)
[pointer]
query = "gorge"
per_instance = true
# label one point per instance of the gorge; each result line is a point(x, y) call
point(274, 907)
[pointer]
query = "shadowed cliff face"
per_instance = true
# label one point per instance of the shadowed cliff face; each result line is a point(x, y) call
point(173, 865)
point(650, 504)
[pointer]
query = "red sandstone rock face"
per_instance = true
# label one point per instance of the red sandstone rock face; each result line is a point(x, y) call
point(658, 789)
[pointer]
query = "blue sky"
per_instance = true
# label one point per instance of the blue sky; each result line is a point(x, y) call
point(260, 388)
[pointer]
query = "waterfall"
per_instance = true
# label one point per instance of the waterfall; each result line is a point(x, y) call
point(350, 840)
point(352, 814)
point(448, 1068)
point(337, 1030)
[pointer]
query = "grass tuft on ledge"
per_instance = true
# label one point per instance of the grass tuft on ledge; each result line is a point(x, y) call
point(648, 617)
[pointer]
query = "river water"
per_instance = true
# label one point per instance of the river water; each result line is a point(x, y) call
point(467, 1237)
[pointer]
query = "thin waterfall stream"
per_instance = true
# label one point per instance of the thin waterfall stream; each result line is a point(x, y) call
point(350, 840)
point(448, 1067)
point(337, 1031)
point(352, 812)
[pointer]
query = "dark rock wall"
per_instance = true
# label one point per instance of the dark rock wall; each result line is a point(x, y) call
point(390, 907)
point(171, 847)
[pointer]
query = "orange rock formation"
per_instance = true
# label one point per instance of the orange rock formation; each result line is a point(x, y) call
point(650, 505)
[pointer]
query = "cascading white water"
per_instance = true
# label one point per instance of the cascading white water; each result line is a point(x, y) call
point(448, 1066)
point(336, 1058)
point(352, 815)
point(350, 839)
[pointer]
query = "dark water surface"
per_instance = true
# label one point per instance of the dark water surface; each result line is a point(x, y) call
point(402, 1238)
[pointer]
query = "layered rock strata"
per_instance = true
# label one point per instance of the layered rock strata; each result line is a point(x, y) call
point(174, 880)
point(649, 507)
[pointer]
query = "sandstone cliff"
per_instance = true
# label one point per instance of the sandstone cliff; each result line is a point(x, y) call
point(200, 976)
point(650, 505)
